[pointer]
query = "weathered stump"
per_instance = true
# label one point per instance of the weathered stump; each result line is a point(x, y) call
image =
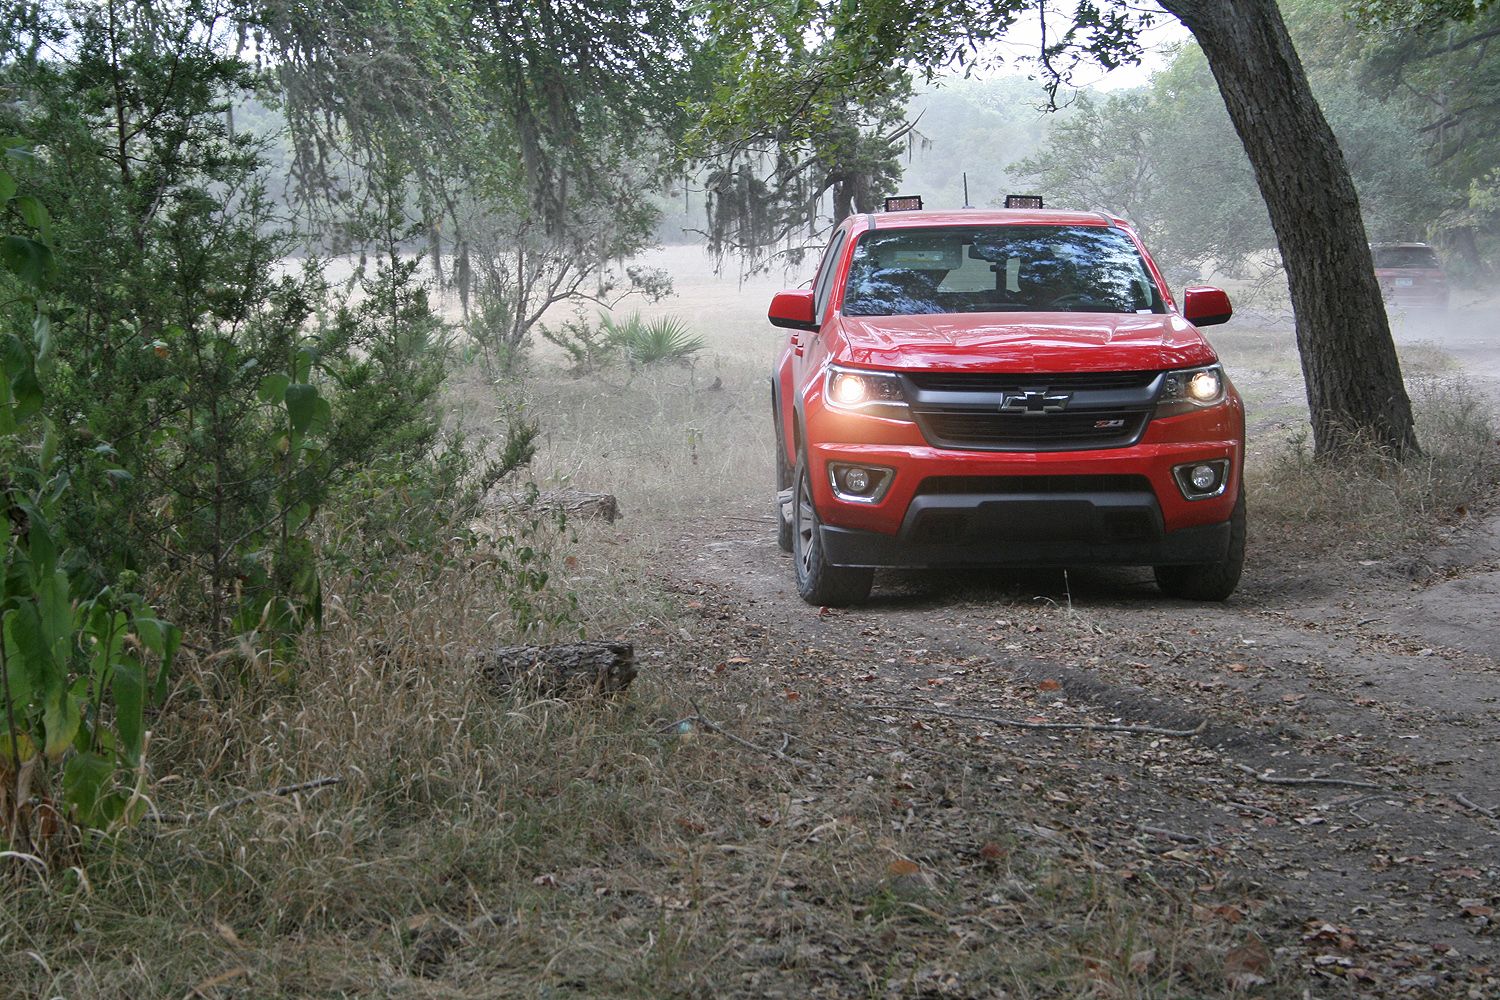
point(570, 667)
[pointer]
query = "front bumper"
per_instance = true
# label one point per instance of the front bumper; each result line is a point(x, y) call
point(951, 507)
point(1030, 530)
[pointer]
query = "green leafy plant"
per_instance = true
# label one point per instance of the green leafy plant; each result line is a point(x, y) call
point(666, 339)
point(589, 345)
point(78, 664)
point(237, 394)
point(526, 554)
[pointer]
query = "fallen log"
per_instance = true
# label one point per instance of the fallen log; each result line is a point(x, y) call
point(578, 505)
point(570, 667)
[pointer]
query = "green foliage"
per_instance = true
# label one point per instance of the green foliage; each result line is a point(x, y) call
point(1145, 154)
point(522, 270)
point(531, 138)
point(79, 664)
point(810, 101)
point(526, 552)
point(26, 254)
point(774, 140)
point(589, 345)
point(517, 451)
point(639, 342)
point(1417, 13)
point(665, 339)
point(235, 394)
point(1436, 67)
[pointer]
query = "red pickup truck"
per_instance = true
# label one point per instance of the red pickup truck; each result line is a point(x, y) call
point(1010, 387)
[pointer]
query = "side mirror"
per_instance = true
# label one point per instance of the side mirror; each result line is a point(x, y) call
point(1203, 305)
point(794, 310)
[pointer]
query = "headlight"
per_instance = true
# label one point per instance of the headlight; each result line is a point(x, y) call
point(874, 394)
point(1189, 389)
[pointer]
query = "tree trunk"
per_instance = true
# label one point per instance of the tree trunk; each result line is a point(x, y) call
point(843, 198)
point(1354, 387)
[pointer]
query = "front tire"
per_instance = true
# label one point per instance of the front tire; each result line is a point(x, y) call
point(1210, 581)
point(817, 581)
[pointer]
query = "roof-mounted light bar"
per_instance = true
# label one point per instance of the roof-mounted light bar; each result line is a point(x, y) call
point(904, 203)
point(1023, 201)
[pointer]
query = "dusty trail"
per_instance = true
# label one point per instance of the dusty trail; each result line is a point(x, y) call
point(1469, 333)
point(1384, 676)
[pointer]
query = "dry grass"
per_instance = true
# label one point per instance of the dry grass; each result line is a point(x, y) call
point(1369, 508)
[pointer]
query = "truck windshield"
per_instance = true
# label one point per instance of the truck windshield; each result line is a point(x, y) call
point(904, 272)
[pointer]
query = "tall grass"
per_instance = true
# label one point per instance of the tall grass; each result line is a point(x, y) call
point(1368, 506)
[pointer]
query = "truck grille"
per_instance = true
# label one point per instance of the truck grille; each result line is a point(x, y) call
point(960, 485)
point(1009, 412)
point(1010, 382)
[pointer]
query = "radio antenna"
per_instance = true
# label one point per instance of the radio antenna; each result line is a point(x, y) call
point(966, 190)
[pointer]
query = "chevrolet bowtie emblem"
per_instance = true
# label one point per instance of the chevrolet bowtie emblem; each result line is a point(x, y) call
point(1035, 402)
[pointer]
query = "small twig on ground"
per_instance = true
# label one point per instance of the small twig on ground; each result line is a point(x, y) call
point(1090, 727)
point(283, 790)
point(1464, 801)
point(1271, 779)
point(1257, 810)
point(716, 727)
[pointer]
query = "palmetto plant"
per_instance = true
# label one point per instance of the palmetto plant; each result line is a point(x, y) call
point(667, 338)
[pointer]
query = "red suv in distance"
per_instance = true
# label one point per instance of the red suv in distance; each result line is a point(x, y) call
point(1410, 275)
point(1003, 388)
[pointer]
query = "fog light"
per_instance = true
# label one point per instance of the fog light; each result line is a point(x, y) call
point(1202, 480)
point(859, 483)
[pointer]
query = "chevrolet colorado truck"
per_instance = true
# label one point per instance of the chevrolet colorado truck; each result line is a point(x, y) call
point(1003, 388)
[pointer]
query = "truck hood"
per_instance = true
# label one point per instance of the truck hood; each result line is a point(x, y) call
point(1029, 342)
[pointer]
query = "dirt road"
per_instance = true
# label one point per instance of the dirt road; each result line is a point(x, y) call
point(1469, 333)
point(1373, 689)
point(1371, 682)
